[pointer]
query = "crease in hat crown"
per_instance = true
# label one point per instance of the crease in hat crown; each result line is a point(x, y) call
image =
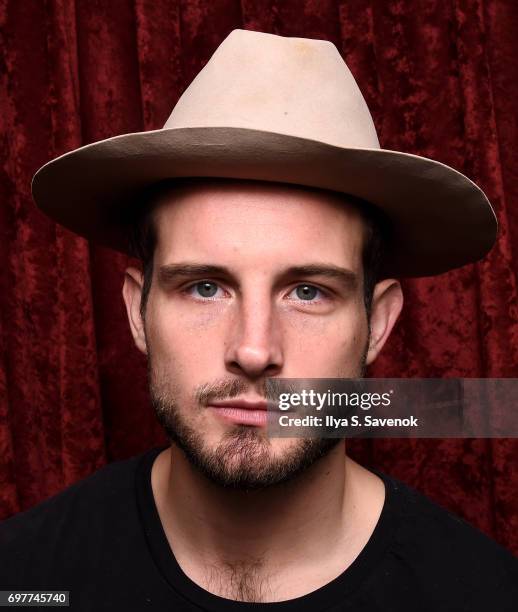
point(296, 86)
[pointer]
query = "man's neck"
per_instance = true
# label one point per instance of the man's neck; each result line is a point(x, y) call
point(270, 544)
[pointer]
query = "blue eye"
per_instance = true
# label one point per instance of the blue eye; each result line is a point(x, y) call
point(306, 293)
point(206, 289)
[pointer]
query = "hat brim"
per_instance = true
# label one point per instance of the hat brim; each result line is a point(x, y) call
point(439, 218)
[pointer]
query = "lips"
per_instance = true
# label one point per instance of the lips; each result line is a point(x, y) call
point(243, 404)
point(242, 411)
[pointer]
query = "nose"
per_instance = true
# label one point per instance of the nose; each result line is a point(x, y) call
point(255, 346)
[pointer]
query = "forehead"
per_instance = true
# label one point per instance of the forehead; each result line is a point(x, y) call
point(230, 222)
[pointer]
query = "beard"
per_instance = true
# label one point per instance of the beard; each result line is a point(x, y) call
point(243, 459)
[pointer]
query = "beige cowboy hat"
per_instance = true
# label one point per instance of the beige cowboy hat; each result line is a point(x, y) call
point(272, 108)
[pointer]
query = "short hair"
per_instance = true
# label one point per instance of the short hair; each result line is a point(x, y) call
point(142, 237)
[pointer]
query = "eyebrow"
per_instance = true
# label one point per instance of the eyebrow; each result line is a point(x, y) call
point(169, 272)
point(347, 278)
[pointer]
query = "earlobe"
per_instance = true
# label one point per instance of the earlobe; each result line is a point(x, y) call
point(132, 292)
point(387, 303)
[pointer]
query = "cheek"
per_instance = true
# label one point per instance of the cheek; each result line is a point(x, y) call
point(179, 318)
point(351, 336)
point(325, 346)
point(183, 337)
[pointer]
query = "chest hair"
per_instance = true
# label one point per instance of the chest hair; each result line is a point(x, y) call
point(242, 580)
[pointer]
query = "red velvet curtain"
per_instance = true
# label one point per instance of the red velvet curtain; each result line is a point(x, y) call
point(440, 80)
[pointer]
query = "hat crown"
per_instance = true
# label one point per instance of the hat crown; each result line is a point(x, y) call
point(296, 86)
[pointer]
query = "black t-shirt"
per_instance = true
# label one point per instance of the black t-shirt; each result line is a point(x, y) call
point(102, 540)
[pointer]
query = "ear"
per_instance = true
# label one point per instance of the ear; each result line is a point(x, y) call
point(132, 292)
point(387, 302)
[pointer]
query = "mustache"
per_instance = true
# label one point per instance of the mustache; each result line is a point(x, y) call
point(228, 389)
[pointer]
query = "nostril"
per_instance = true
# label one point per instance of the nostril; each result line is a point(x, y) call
point(234, 365)
point(252, 365)
point(271, 369)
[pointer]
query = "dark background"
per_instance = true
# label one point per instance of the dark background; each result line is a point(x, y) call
point(440, 79)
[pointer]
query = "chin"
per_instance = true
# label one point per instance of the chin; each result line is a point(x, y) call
point(245, 459)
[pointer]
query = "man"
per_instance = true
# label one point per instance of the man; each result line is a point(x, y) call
point(272, 230)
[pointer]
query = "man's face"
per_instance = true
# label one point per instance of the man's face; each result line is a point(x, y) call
point(250, 281)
